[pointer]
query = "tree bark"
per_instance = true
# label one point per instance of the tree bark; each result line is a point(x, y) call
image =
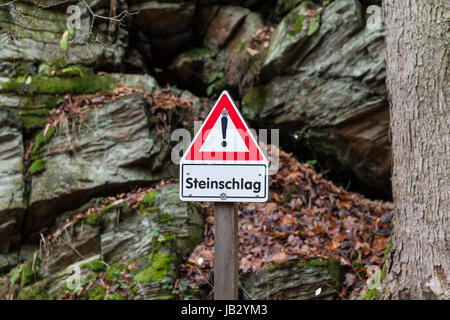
point(417, 37)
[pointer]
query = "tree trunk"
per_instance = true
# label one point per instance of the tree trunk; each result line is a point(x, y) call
point(417, 36)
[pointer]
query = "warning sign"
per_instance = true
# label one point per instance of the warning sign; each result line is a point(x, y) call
point(224, 161)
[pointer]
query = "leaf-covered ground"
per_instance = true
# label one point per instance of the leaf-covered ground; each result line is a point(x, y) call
point(306, 217)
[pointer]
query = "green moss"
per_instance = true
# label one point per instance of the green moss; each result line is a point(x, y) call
point(37, 166)
point(133, 290)
point(38, 162)
point(27, 275)
point(114, 270)
point(150, 211)
point(126, 209)
point(35, 110)
point(253, 101)
point(58, 85)
point(297, 23)
point(89, 278)
point(371, 294)
point(317, 262)
point(39, 141)
point(35, 292)
point(31, 121)
point(94, 219)
point(14, 275)
point(52, 69)
point(284, 264)
point(162, 241)
point(148, 201)
point(109, 208)
point(96, 293)
point(273, 267)
point(96, 266)
point(160, 266)
point(165, 218)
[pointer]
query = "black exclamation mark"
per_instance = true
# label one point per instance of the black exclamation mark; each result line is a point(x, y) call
point(224, 127)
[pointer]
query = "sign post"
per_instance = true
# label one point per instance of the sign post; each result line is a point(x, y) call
point(226, 266)
point(225, 165)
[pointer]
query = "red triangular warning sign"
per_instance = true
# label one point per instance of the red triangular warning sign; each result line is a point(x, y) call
point(224, 136)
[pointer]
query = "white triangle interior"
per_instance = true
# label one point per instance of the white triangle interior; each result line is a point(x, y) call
point(234, 141)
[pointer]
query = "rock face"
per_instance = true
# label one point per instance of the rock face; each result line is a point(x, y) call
point(38, 33)
point(37, 70)
point(165, 230)
point(288, 38)
point(33, 99)
point(224, 24)
point(294, 280)
point(12, 200)
point(133, 238)
point(328, 91)
point(113, 148)
point(163, 28)
point(162, 18)
point(221, 62)
point(321, 79)
point(112, 151)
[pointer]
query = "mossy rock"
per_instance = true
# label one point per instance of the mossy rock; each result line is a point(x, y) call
point(33, 110)
point(253, 101)
point(38, 162)
point(29, 272)
point(37, 291)
point(37, 166)
point(295, 280)
point(95, 293)
point(95, 266)
point(52, 70)
point(94, 219)
point(39, 141)
point(114, 270)
point(58, 85)
point(148, 201)
point(160, 267)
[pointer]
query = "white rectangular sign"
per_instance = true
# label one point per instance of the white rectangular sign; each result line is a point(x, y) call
point(224, 182)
